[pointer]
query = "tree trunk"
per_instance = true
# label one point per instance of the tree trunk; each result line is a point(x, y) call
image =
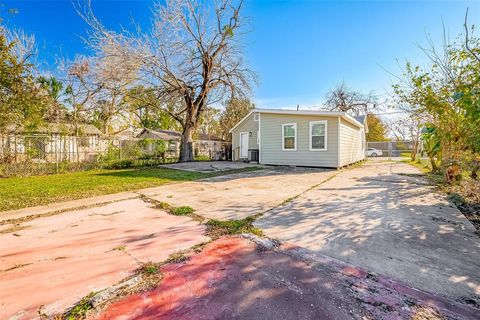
point(413, 156)
point(433, 163)
point(186, 146)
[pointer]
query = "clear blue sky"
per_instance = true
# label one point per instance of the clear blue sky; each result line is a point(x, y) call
point(300, 49)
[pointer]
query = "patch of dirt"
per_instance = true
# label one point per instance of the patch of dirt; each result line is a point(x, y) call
point(469, 208)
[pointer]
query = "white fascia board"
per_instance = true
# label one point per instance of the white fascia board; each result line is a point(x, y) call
point(343, 115)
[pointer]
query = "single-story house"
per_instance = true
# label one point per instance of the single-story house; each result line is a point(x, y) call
point(51, 142)
point(127, 134)
point(299, 138)
point(204, 145)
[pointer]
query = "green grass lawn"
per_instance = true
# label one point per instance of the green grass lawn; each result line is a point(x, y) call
point(21, 192)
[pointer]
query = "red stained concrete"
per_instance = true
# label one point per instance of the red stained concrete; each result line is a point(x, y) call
point(232, 279)
point(67, 256)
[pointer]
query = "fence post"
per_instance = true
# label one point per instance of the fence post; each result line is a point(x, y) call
point(390, 150)
point(56, 153)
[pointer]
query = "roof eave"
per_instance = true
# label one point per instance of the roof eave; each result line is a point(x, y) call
point(241, 121)
point(312, 113)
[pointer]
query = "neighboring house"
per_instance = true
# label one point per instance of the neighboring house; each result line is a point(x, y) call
point(170, 137)
point(127, 134)
point(51, 142)
point(204, 145)
point(299, 138)
point(210, 146)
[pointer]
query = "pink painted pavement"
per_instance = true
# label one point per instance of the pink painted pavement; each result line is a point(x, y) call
point(232, 279)
point(57, 260)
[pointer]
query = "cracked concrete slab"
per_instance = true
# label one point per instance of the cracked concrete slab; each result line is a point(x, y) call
point(59, 259)
point(232, 279)
point(238, 196)
point(382, 218)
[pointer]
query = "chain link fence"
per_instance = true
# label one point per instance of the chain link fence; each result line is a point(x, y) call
point(395, 149)
point(22, 155)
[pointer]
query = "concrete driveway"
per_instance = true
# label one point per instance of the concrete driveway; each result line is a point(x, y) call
point(210, 166)
point(238, 196)
point(378, 218)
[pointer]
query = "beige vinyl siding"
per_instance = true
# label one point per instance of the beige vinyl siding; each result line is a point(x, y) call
point(271, 141)
point(351, 143)
point(249, 125)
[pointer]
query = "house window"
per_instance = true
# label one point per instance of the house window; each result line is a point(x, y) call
point(256, 117)
point(289, 136)
point(318, 135)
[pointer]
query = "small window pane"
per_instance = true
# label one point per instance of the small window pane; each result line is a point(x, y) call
point(289, 143)
point(289, 131)
point(318, 142)
point(318, 129)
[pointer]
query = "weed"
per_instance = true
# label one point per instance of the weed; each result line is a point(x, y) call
point(288, 200)
point(199, 247)
point(177, 211)
point(120, 248)
point(218, 228)
point(80, 310)
point(177, 257)
point(148, 268)
point(181, 211)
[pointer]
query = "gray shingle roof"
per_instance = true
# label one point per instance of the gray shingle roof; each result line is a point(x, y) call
point(360, 119)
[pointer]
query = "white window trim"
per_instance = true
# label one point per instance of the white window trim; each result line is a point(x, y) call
point(283, 136)
point(256, 116)
point(325, 122)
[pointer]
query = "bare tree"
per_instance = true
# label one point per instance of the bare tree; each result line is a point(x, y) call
point(80, 88)
point(191, 56)
point(343, 99)
point(25, 48)
point(114, 77)
point(408, 128)
point(473, 52)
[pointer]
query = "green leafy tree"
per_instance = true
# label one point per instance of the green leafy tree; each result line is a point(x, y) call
point(377, 130)
point(446, 96)
point(235, 110)
point(209, 122)
point(21, 100)
point(431, 145)
point(54, 88)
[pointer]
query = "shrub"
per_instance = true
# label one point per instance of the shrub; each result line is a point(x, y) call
point(112, 153)
point(202, 158)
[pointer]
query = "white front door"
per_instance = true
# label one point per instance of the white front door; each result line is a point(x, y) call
point(244, 144)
